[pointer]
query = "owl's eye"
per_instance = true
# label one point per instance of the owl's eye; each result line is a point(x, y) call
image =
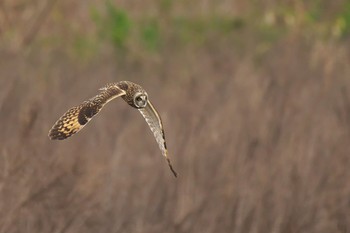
point(138, 98)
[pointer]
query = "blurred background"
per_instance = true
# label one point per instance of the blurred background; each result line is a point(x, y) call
point(255, 101)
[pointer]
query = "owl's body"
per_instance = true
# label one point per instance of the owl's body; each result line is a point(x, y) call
point(133, 94)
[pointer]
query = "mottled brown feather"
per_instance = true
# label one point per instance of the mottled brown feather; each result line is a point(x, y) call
point(77, 117)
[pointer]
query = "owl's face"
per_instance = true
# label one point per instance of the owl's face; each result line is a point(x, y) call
point(135, 95)
point(140, 99)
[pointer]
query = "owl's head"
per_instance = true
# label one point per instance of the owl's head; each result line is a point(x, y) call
point(135, 95)
point(140, 99)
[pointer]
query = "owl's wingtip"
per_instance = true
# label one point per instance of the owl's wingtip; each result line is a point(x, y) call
point(50, 135)
point(175, 174)
point(171, 167)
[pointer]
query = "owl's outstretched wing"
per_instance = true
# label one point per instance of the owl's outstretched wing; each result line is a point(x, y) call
point(77, 117)
point(155, 123)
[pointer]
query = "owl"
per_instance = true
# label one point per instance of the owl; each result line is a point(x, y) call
point(133, 94)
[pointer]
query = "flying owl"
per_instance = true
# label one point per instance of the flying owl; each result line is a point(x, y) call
point(77, 117)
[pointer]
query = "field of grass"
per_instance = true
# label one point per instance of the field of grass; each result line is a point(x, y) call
point(254, 97)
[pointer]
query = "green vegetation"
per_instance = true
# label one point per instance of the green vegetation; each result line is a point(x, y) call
point(113, 25)
point(117, 26)
point(198, 30)
point(150, 35)
point(342, 24)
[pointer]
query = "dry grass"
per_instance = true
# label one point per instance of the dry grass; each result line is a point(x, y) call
point(260, 139)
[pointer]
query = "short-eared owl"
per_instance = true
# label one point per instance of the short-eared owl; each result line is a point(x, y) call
point(77, 117)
